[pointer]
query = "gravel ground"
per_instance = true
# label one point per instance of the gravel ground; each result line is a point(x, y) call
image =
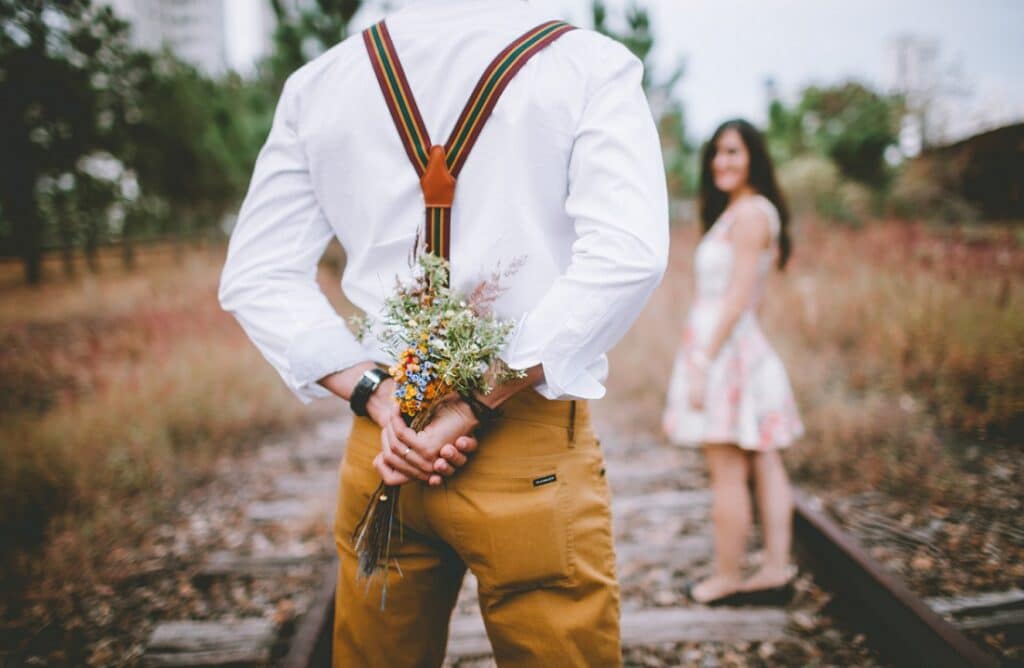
point(949, 547)
point(106, 622)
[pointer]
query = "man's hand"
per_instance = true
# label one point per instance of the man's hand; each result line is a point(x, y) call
point(437, 450)
point(453, 456)
point(397, 469)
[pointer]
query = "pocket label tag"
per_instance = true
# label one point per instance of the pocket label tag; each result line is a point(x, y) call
point(537, 482)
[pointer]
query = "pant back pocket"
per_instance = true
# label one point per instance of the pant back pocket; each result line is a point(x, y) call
point(515, 529)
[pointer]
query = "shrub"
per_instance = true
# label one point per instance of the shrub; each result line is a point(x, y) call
point(922, 191)
point(812, 184)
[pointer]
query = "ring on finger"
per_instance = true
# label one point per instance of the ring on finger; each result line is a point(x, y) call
point(405, 453)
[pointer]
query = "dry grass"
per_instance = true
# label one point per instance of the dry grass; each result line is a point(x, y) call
point(904, 345)
point(120, 391)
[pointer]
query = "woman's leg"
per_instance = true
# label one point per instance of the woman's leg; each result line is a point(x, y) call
point(730, 514)
point(775, 503)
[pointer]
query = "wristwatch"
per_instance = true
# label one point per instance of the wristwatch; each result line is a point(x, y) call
point(364, 389)
point(486, 415)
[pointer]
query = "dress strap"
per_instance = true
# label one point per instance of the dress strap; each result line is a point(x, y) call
point(438, 166)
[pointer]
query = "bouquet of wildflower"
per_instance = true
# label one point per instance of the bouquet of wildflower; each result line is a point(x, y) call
point(445, 345)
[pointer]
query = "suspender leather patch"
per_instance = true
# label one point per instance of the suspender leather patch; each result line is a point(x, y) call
point(544, 480)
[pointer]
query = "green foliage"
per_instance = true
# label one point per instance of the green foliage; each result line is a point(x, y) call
point(853, 125)
point(176, 147)
point(849, 123)
point(302, 36)
point(785, 132)
point(58, 64)
point(196, 139)
point(812, 184)
point(637, 37)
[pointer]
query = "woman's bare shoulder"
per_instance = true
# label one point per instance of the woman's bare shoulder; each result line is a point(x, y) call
point(752, 223)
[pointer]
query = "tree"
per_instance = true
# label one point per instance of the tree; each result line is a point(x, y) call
point(679, 152)
point(186, 146)
point(67, 73)
point(47, 119)
point(299, 37)
point(853, 125)
point(849, 123)
point(637, 37)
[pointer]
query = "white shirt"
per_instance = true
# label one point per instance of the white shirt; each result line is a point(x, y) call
point(567, 175)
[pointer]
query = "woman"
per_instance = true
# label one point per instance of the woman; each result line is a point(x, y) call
point(729, 391)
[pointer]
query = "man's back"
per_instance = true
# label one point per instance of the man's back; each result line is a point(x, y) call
point(516, 179)
point(569, 156)
point(566, 176)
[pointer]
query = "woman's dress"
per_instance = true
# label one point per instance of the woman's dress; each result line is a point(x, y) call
point(749, 400)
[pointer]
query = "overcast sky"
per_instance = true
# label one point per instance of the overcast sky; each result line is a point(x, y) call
point(731, 46)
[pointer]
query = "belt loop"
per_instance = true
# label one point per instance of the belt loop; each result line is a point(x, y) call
point(572, 423)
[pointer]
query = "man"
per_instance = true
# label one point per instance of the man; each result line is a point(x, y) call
point(566, 178)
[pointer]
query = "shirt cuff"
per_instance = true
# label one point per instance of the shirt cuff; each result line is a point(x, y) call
point(564, 377)
point(319, 352)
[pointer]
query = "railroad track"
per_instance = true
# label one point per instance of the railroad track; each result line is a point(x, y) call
point(905, 628)
point(662, 538)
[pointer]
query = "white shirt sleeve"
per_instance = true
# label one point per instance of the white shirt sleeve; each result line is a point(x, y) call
point(269, 278)
point(618, 200)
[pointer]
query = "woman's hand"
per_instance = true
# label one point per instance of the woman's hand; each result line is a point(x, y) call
point(698, 387)
point(698, 364)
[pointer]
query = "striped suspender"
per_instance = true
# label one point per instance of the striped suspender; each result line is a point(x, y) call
point(438, 166)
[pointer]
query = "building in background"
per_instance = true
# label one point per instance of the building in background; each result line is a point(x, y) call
point(194, 30)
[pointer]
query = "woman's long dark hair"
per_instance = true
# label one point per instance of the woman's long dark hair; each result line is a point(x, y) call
point(762, 179)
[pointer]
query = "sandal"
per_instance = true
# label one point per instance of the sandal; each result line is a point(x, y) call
point(733, 598)
point(779, 595)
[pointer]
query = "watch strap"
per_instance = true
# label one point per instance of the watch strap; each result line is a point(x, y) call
point(364, 389)
point(484, 413)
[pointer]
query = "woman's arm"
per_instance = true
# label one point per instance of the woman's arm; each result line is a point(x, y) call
point(750, 236)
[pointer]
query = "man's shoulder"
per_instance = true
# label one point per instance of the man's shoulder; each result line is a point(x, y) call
point(592, 53)
point(342, 51)
point(597, 49)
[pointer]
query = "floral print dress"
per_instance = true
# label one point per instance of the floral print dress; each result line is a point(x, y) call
point(749, 400)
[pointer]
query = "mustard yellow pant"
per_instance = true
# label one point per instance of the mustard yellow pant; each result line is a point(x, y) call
point(529, 515)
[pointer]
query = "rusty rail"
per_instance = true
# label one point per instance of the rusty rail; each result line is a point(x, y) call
point(311, 645)
point(893, 618)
